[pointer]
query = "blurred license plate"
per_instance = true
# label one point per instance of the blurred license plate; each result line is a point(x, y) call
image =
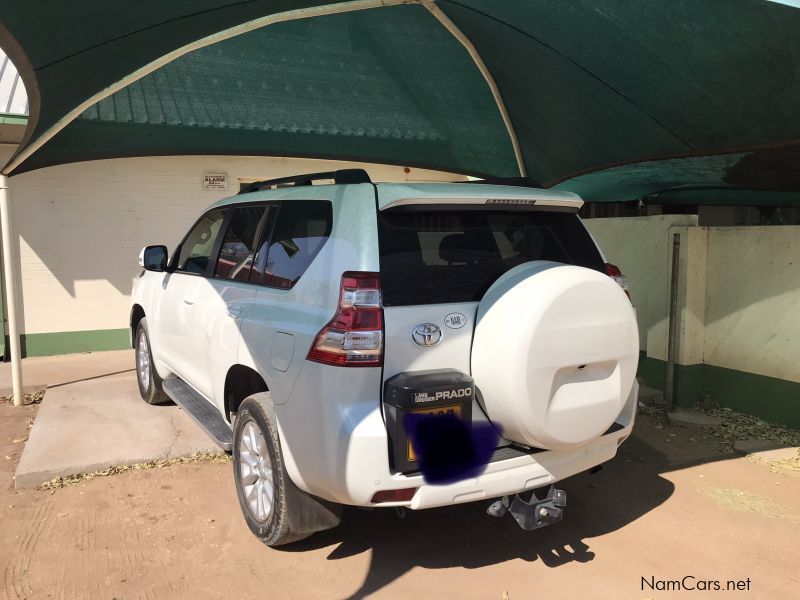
point(439, 411)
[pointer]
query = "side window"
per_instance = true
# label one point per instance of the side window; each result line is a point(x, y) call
point(199, 244)
point(239, 244)
point(302, 228)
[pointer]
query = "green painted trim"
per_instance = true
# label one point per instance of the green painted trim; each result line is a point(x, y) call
point(8, 119)
point(652, 371)
point(772, 399)
point(69, 342)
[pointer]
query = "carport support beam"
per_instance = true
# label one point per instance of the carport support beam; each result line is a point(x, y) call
point(453, 29)
point(9, 272)
point(672, 333)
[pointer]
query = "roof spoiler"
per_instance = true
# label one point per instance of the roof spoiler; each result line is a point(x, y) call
point(341, 176)
point(512, 181)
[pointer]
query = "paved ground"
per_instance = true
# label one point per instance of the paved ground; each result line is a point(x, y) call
point(667, 507)
point(55, 371)
point(93, 417)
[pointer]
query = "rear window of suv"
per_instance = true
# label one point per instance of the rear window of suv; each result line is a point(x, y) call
point(433, 256)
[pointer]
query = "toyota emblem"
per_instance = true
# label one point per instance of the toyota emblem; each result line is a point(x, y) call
point(427, 335)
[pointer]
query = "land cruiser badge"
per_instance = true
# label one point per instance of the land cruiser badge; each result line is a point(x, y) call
point(455, 320)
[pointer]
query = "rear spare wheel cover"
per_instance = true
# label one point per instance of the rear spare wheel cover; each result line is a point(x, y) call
point(554, 354)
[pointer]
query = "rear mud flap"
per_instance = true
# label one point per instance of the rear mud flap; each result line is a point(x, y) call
point(533, 513)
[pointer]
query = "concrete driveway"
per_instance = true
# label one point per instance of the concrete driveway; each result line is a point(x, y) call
point(93, 418)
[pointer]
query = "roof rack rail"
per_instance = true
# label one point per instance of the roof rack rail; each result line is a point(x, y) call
point(340, 176)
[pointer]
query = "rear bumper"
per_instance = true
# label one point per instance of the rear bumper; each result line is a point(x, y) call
point(528, 472)
point(517, 474)
point(342, 456)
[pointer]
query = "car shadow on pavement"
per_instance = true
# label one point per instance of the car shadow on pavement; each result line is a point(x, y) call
point(465, 536)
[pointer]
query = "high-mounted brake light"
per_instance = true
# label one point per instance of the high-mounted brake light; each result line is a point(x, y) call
point(614, 272)
point(354, 336)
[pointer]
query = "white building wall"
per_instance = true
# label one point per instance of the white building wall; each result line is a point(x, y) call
point(738, 297)
point(641, 247)
point(81, 226)
point(752, 320)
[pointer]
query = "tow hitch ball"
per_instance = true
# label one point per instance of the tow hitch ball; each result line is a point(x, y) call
point(533, 513)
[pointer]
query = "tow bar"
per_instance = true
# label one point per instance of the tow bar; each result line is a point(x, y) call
point(534, 513)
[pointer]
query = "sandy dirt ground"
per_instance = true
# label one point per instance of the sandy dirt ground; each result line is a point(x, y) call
point(669, 506)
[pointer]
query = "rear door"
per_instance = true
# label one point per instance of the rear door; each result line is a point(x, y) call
point(438, 260)
point(290, 300)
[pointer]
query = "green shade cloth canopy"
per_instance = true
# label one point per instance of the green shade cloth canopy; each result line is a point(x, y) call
point(617, 100)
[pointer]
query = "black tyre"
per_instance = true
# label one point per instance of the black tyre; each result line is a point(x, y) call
point(275, 509)
point(146, 376)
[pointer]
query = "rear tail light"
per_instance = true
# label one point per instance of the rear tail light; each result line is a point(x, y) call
point(354, 336)
point(615, 274)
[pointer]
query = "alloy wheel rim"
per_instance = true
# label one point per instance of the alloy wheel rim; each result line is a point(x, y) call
point(143, 361)
point(255, 470)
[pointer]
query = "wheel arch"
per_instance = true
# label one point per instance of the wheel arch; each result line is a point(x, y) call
point(240, 382)
point(137, 314)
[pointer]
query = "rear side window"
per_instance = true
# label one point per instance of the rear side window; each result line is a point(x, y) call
point(199, 244)
point(301, 229)
point(431, 257)
point(239, 244)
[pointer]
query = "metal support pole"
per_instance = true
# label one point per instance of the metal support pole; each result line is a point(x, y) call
point(9, 263)
point(672, 335)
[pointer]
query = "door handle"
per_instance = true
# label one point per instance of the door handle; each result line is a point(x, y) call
point(235, 312)
point(188, 299)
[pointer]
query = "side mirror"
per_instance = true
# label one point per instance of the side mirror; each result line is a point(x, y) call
point(153, 258)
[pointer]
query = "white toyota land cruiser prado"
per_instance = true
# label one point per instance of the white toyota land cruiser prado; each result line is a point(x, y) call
point(391, 345)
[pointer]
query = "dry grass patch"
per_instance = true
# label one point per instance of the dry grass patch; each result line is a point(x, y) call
point(28, 398)
point(159, 463)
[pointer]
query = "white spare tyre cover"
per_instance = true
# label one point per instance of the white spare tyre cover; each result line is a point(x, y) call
point(554, 354)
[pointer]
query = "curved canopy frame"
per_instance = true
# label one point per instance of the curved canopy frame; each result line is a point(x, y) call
point(593, 95)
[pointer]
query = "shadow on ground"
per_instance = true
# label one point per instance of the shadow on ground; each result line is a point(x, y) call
point(465, 536)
